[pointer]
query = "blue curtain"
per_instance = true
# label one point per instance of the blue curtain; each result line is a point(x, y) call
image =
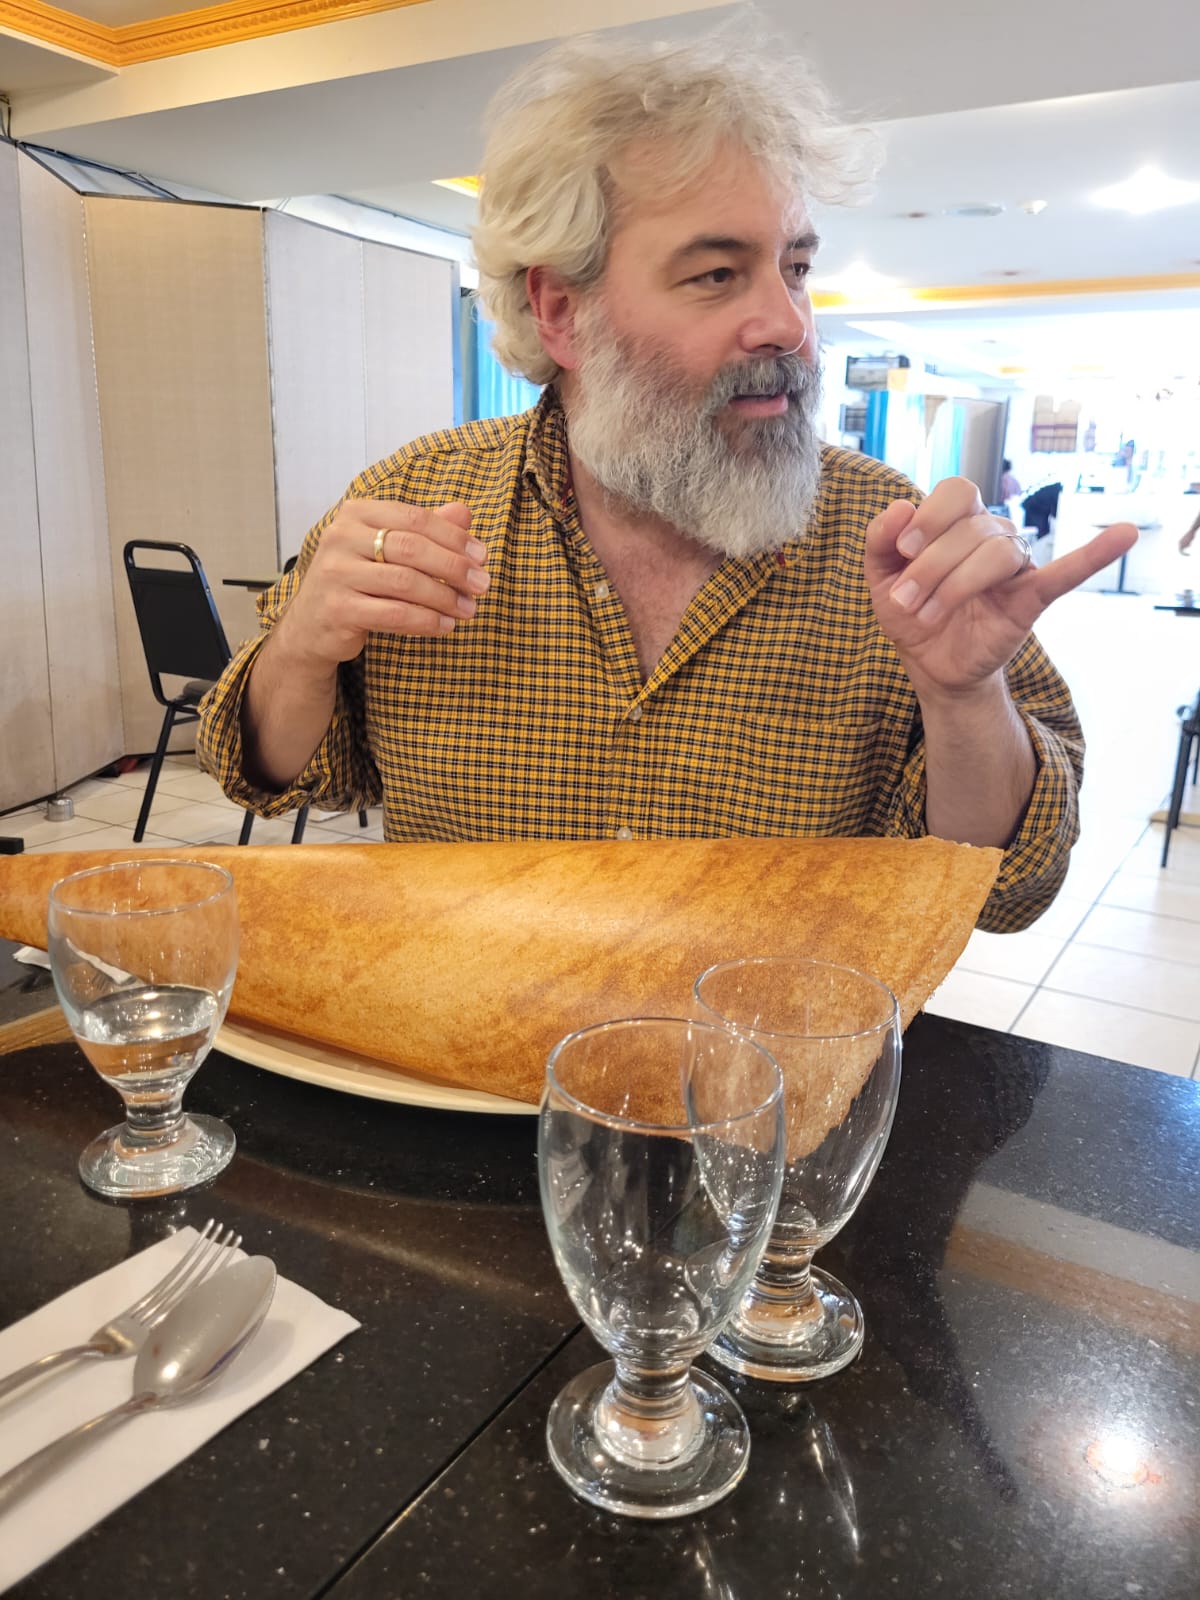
point(489, 390)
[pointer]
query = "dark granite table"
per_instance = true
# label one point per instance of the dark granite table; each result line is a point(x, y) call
point(1024, 1420)
point(24, 990)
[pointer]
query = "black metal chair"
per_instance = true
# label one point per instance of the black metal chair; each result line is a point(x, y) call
point(1189, 734)
point(302, 817)
point(182, 637)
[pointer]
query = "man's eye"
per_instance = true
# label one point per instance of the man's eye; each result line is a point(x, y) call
point(714, 277)
point(799, 270)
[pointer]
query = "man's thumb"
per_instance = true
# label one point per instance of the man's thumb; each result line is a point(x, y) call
point(457, 513)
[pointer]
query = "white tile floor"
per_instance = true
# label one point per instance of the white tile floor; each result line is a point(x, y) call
point(188, 808)
point(1113, 967)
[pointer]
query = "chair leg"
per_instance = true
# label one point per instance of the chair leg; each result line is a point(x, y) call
point(160, 751)
point(1181, 765)
point(364, 820)
point(247, 824)
point(301, 819)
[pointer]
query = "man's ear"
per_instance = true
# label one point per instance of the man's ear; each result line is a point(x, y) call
point(554, 302)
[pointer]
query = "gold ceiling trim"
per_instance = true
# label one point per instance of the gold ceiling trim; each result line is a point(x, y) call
point(894, 300)
point(231, 23)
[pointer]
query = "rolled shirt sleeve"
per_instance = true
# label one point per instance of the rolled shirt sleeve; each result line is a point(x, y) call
point(1035, 862)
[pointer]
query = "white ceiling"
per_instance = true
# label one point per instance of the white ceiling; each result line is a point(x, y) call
point(1029, 100)
point(1060, 151)
point(117, 13)
point(1113, 342)
point(28, 68)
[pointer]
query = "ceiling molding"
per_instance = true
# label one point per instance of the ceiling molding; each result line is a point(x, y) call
point(982, 294)
point(231, 23)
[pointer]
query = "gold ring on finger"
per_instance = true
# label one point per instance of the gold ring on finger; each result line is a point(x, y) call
point(380, 540)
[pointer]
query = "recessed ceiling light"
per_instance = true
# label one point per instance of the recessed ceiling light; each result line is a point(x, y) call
point(1149, 189)
point(975, 208)
point(1033, 208)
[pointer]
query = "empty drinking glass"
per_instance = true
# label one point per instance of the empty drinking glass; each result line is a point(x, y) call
point(660, 1144)
point(143, 955)
point(836, 1036)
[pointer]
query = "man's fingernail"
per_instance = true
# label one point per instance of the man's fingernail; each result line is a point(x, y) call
point(445, 623)
point(464, 605)
point(910, 543)
point(930, 611)
point(478, 580)
point(476, 551)
point(905, 593)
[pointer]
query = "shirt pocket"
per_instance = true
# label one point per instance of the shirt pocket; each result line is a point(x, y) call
point(803, 775)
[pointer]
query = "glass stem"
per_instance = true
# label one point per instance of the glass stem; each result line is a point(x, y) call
point(782, 1306)
point(650, 1418)
point(153, 1118)
point(785, 1273)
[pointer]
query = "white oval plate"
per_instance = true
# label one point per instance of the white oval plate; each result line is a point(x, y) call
point(337, 1069)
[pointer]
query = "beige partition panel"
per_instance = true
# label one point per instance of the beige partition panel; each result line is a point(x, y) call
point(81, 631)
point(315, 310)
point(181, 363)
point(26, 751)
point(409, 303)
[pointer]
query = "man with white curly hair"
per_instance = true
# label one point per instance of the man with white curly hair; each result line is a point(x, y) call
point(655, 605)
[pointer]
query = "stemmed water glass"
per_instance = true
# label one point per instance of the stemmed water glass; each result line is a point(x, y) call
point(660, 1147)
point(835, 1033)
point(143, 955)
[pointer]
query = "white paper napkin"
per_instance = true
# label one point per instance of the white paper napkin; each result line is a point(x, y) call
point(298, 1329)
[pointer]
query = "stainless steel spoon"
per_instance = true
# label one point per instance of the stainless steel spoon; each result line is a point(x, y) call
point(188, 1351)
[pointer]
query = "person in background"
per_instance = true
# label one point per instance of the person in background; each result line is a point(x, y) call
point(655, 605)
point(1009, 487)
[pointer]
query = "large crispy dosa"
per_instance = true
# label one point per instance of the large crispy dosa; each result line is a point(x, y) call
point(465, 963)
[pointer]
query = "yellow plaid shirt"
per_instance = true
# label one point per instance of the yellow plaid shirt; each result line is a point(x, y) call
point(779, 708)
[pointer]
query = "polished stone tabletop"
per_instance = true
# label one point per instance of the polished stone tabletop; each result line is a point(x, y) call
point(1024, 1420)
point(24, 990)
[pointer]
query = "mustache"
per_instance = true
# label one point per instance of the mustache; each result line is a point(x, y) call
point(768, 375)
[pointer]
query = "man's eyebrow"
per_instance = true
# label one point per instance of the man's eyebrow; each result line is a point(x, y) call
point(712, 244)
point(725, 244)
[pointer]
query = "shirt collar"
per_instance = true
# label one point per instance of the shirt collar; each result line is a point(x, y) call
point(547, 462)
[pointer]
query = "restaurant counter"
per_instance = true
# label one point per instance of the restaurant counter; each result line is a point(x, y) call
point(1024, 1419)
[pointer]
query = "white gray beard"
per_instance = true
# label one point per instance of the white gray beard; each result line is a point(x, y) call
point(658, 450)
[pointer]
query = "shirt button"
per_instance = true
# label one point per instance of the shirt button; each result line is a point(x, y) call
point(635, 714)
point(624, 833)
point(601, 591)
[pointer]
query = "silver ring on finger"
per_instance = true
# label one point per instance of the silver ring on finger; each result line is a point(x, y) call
point(1026, 549)
point(380, 541)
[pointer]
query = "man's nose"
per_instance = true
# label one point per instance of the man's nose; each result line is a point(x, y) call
point(780, 323)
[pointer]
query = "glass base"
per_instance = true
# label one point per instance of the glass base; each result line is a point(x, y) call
point(791, 1344)
point(113, 1166)
point(704, 1471)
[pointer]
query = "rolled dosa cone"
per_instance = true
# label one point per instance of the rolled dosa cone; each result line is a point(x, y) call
point(465, 963)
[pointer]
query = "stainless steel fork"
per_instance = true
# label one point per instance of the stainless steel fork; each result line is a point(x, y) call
point(127, 1333)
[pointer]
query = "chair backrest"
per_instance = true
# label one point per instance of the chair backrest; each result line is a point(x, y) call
point(181, 631)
